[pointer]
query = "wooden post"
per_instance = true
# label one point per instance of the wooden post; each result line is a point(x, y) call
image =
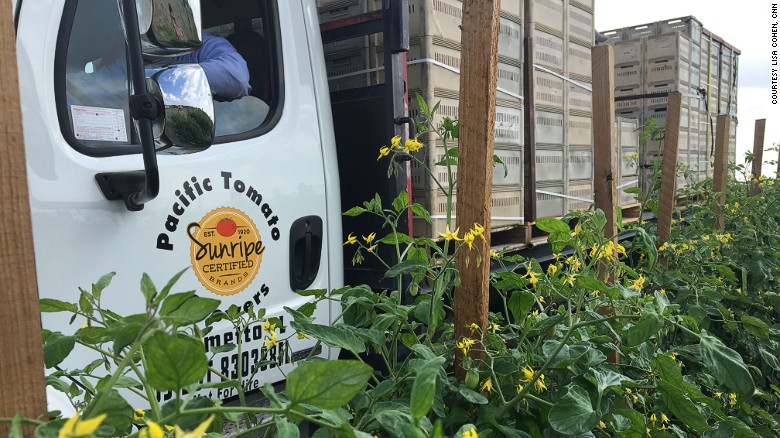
point(758, 156)
point(479, 60)
point(604, 137)
point(720, 168)
point(22, 381)
point(669, 167)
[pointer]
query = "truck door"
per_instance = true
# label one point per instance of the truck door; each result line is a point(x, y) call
point(263, 182)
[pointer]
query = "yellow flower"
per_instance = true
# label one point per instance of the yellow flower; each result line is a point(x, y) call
point(552, 269)
point(272, 341)
point(574, 262)
point(577, 230)
point(450, 235)
point(540, 386)
point(602, 425)
point(152, 430)
point(541, 299)
point(653, 418)
point(663, 247)
point(471, 433)
point(718, 394)
point(638, 283)
point(474, 327)
point(487, 386)
point(478, 231)
point(664, 418)
point(533, 277)
point(383, 152)
point(198, 432)
point(495, 327)
point(621, 250)
point(464, 344)
point(628, 391)
point(520, 387)
point(528, 374)
point(370, 238)
point(412, 145)
point(732, 399)
point(268, 327)
point(647, 429)
point(395, 142)
point(663, 292)
point(301, 335)
point(138, 414)
point(75, 427)
point(570, 280)
point(351, 240)
point(635, 155)
point(468, 238)
point(494, 254)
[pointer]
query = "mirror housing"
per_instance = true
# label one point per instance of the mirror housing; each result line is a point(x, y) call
point(169, 27)
point(187, 119)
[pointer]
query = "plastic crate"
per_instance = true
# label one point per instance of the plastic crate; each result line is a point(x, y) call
point(630, 113)
point(628, 75)
point(629, 52)
point(663, 87)
point(549, 127)
point(613, 36)
point(622, 185)
point(580, 59)
point(580, 99)
point(510, 39)
point(549, 90)
point(628, 133)
point(508, 128)
point(580, 130)
point(549, 203)
point(695, 55)
point(583, 190)
point(632, 90)
point(580, 24)
point(548, 13)
point(549, 164)
point(627, 164)
point(695, 77)
point(685, 114)
point(688, 26)
point(668, 69)
point(671, 45)
point(510, 79)
point(434, 153)
point(548, 50)
point(329, 10)
point(635, 32)
point(579, 163)
point(343, 67)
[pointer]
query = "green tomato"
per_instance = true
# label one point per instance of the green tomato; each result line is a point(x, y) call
point(472, 379)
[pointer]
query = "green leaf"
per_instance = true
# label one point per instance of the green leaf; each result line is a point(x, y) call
point(573, 414)
point(520, 303)
point(395, 238)
point(173, 362)
point(186, 308)
point(15, 431)
point(628, 422)
point(472, 396)
point(498, 160)
point(101, 284)
point(92, 335)
point(405, 266)
point(420, 211)
point(50, 429)
point(421, 104)
point(726, 366)
point(124, 333)
point(599, 219)
point(424, 388)
point(50, 305)
point(148, 288)
point(57, 348)
point(85, 304)
point(354, 211)
point(339, 336)
point(285, 429)
point(327, 384)
point(400, 202)
point(649, 324)
point(167, 289)
point(682, 407)
point(552, 225)
point(755, 326)
point(447, 162)
point(603, 379)
point(119, 414)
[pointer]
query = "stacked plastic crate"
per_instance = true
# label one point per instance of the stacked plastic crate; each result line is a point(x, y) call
point(563, 35)
point(627, 132)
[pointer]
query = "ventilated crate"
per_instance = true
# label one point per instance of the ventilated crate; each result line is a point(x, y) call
point(682, 141)
point(508, 128)
point(687, 26)
point(549, 90)
point(549, 200)
point(623, 184)
point(343, 69)
point(633, 90)
point(668, 69)
point(580, 24)
point(580, 195)
point(613, 36)
point(548, 13)
point(685, 114)
point(580, 59)
point(548, 50)
point(657, 112)
point(628, 75)
point(549, 163)
point(512, 157)
point(672, 45)
point(695, 77)
point(694, 140)
point(630, 113)
point(580, 98)
point(506, 206)
point(695, 55)
point(629, 52)
point(664, 87)
point(628, 158)
point(579, 163)
point(329, 10)
point(580, 129)
point(644, 30)
point(549, 127)
point(628, 132)
point(510, 39)
point(509, 80)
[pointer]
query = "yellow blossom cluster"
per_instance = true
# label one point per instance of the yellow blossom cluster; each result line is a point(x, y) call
point(465, 344)
point(411, 145)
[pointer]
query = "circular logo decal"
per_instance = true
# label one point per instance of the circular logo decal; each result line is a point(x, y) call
point(226, 250)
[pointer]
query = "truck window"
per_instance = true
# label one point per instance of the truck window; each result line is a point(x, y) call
point(92, 83)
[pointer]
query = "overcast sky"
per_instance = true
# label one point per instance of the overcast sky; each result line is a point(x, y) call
point(747, 25)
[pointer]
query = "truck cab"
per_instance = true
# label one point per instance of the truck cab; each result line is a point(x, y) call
point(254, 217)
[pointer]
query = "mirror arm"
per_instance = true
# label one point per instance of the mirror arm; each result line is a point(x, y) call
point(136, 188)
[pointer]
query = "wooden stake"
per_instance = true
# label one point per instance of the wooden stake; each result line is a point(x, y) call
point(479, 59)
point(605, 148)
point(669, 167)
point(21, 365)
point(758, 156)
point(720, 168)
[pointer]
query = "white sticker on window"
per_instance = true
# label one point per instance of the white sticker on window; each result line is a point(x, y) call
point(101, 124)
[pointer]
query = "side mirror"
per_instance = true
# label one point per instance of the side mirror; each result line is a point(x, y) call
point(188, 118)
point(169, 27)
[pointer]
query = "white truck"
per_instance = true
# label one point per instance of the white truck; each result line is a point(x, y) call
point(129, 181)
